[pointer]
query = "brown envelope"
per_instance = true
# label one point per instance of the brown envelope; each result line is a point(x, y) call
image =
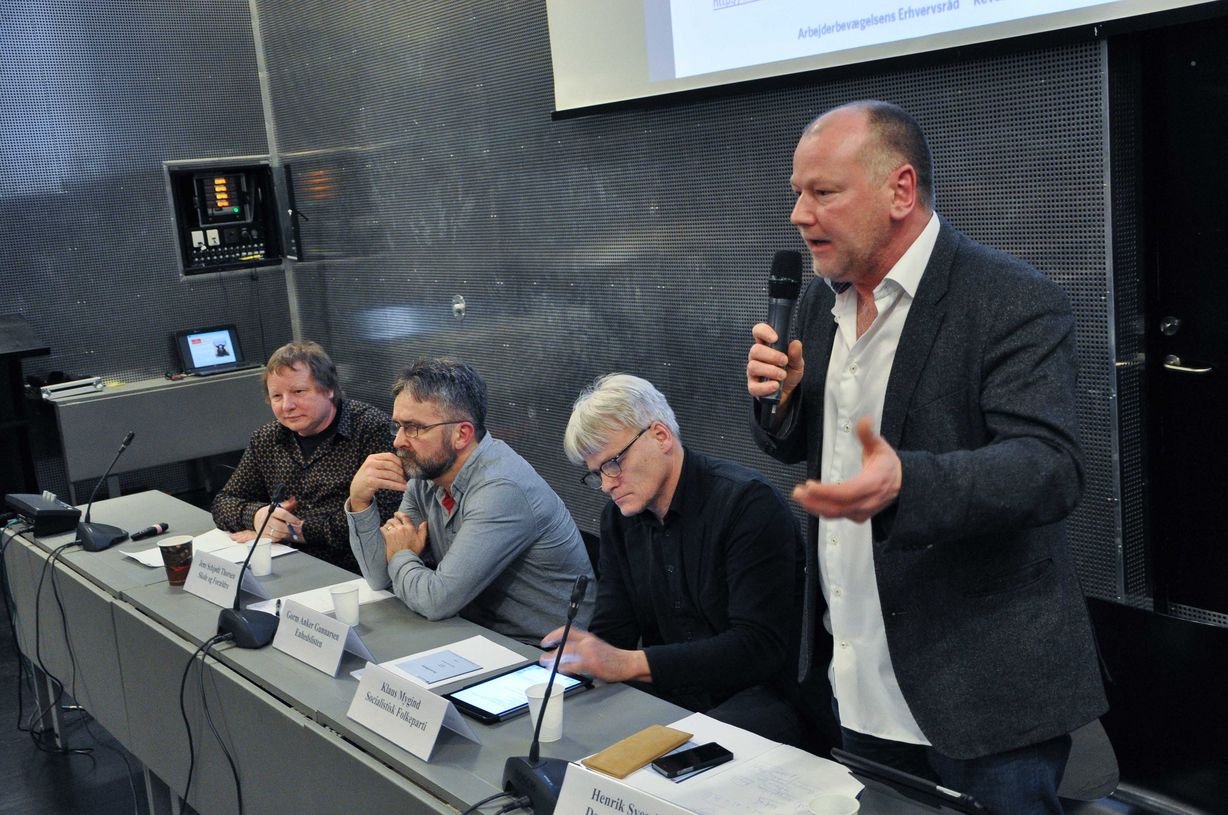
point(625, 757)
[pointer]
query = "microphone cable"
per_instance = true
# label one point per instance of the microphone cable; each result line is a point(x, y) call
point(58, 695)
point(519, 803)
point(204, 703)
point(10, 606)
point(24, 666)
point(87, 717)
point(56, 557)
point(183, 711)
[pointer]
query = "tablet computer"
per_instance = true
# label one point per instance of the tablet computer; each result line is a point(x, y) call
point(501, 696)
point(881, 777)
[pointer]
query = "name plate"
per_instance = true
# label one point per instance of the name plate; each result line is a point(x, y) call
point(403, 712)
point(316, 638)
point(588, 792)
point(213, 578)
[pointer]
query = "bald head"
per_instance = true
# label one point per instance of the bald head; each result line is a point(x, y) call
point(892, 138)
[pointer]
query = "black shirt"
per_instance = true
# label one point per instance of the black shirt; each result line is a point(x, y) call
point(711, 594)
point(307, 444)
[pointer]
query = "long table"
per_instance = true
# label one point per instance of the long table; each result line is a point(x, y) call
point(123, 639)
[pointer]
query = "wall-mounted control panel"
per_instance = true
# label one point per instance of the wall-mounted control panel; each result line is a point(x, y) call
point(225, 213)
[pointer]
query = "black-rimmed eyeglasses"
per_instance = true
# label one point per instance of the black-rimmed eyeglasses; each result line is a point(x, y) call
point(414, 430)
point(611, 466)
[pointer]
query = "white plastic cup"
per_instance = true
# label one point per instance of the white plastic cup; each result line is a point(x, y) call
point(552, 727)
point(834, 805)
point(345, 604)
point(261, 563)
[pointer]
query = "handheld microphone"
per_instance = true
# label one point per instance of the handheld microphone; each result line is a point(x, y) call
point(96, 537)
point(250, 628)
point(532, 777)
point(150, 531)
point(784, 284)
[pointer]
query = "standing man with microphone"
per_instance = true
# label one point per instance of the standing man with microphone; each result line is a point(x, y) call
point(932, 396)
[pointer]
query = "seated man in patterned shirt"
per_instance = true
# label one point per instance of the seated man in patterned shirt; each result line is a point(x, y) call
point(317, 443)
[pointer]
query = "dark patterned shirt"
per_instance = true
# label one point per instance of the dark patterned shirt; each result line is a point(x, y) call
point(320, 482)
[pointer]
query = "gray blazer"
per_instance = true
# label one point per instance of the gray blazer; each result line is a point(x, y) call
point(986, 623)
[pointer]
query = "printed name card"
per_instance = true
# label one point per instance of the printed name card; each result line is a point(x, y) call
point(316, 638)
point(593, 793)
point(213, 578)
point(403, 712)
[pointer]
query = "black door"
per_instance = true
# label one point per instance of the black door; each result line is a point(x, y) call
point(1185, 112)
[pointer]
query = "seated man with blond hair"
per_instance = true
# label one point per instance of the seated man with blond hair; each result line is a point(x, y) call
point(698, 582)
point(315, 445)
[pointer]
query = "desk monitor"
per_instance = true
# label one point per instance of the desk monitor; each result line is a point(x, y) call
point(897, 782)
point(210, 350)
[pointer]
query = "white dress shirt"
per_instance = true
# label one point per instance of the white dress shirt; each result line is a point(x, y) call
point(861, 673)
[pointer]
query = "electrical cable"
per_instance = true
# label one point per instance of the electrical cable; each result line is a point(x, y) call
point(183, 711)
point(123, 756)
point(10, 606)
point(72, 657)
point(25, 667)
point(72, 661)
point(58, 694)
point(264, 354)
point(204, 703)
point(57, 557)
point(21, 661)
point(519, 803)
point(471, 810)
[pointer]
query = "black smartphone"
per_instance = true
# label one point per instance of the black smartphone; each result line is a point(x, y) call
point(685, 763)
point(501, 696)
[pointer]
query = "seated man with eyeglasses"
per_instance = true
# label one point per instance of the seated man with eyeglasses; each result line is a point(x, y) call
point(478, 533)
point(699, 567)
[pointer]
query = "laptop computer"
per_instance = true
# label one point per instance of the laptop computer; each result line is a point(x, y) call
point(898, 783)
point(211, 350)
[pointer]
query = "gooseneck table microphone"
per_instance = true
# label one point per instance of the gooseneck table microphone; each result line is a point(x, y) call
point(251, 628)
point(532, 777)
point(96, 537)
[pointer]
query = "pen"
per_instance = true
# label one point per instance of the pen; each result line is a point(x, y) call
point(278, 607)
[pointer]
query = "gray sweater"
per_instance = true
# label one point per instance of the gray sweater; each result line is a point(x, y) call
point(506, 556)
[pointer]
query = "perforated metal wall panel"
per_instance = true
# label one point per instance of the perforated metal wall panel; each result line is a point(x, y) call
point(1125, 81)
point(96, 95)
point(638, 239)
point(425, 155)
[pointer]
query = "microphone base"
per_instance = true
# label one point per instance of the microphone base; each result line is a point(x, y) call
point(96, 537)
point(251, 629)
point(540, 781)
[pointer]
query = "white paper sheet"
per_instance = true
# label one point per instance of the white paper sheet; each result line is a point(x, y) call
point(321, 599)
point(488, 654)
point(491, 656)
point(765, 777)
point(214, 541)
